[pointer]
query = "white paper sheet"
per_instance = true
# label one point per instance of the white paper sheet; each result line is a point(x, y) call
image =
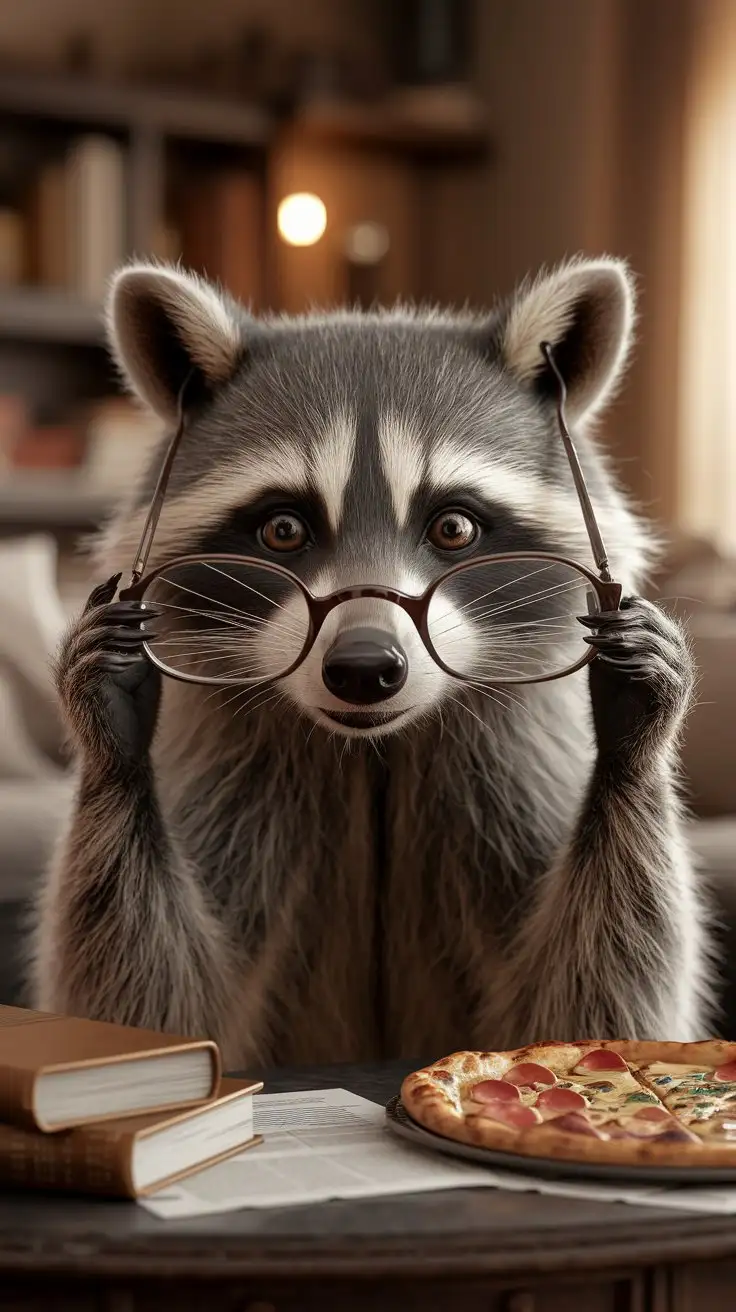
point(328, 1143)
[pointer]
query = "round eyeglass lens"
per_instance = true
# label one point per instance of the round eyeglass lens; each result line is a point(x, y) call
point(225, 621)
point(511, 620)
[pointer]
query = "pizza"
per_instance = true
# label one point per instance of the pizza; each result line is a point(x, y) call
point(619, 1102)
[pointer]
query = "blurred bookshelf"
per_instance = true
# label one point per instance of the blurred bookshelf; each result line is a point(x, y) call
point(59, 500)
point(416, 129)
point(93, 174)
point(48, 316)
point(135, 110)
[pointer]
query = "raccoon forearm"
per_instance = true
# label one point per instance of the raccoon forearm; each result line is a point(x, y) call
point(124, 932)
point(614, 944)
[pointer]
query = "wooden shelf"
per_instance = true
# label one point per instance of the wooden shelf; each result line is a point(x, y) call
point(52, 499)
point(169, 112)
point(34, 314)
point(429, 133)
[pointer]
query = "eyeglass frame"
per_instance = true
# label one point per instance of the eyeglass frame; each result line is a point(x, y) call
point(607, 590)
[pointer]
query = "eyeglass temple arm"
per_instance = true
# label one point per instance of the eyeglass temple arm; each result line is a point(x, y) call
point(600, 555)
point(157, 501)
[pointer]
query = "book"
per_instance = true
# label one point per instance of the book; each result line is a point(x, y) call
point(222, 232)
point(95, 217)
point(133, 1156)
point(12, 247)
point(48, 243)
point(59, 1071)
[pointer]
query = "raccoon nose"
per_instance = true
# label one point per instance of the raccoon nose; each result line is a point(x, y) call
point(364, 666)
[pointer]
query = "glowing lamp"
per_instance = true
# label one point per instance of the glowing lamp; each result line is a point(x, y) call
point(301, 219)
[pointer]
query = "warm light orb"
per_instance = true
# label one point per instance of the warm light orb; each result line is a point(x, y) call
point(302, 219)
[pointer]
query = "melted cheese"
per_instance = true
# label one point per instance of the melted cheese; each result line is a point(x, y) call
point(705, 1105)
point(671, 1068)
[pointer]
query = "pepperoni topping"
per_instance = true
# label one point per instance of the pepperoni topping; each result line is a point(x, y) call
point(529, 1072)
point(653, 1114)
point(678, 1134)
point(561, 1100)
point(578, 1123)
point(515, 1114)
point(725, 1074)
point(495, 1091)
point(602, 1059)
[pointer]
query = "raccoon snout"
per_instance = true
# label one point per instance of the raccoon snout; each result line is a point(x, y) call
point(364, 666)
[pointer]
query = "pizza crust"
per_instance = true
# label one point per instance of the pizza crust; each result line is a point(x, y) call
point(434, 1098)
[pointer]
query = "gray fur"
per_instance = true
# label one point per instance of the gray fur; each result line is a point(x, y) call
point(501, 868)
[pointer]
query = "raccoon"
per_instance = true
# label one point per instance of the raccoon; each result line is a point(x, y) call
point(373, 858)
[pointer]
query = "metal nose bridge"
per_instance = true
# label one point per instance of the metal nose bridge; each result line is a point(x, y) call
point(323, 606)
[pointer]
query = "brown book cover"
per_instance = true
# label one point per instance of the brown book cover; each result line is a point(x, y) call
point(99, 1159)
point(48, 246)
point(95, 198)
point(221, 230)
point(34, 1044)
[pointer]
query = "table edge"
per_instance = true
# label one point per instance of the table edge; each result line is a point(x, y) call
point(691, 1238)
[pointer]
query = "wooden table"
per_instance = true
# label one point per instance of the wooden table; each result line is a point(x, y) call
point(474, 1250)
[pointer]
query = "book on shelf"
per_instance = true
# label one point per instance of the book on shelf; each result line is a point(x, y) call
point(95, 197)
point(222, 231)
point(48, 261)
point(133, 1156)
point(12, 244)
point(76, 218)
point(60, 1071)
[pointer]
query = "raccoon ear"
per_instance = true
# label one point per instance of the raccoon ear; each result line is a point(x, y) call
point(164, 325)
point(585, 310)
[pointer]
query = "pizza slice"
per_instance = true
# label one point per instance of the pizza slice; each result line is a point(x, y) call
point(701, 1096)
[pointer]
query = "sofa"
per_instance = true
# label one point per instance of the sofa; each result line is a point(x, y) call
point(35, 789)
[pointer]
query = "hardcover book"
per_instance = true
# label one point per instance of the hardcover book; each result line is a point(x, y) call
point(134, 1156)
point(59, 1071)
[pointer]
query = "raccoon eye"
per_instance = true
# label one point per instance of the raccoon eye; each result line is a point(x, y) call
point(283, 533)
point(451, 531)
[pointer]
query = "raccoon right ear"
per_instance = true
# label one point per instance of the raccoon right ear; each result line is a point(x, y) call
point(164, 325)
point(585, 310)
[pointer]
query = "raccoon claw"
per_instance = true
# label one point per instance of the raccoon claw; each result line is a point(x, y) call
point(110, 690)
point(601, 618)
point(130, 613)
point(103, 594)
point(640, 680)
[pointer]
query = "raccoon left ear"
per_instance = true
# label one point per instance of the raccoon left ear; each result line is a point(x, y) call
point(585, 310)
point(166, 327)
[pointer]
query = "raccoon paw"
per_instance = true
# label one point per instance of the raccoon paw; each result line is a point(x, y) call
point(641, 680)
point(109, 689)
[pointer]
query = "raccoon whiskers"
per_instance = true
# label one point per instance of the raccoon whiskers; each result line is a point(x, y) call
point(518, 702)
point(543, 595)
point(507, 607)
point(248, 586)
point(506, 584)
point(240, 692)
point(309, 735)
point(249, 707)
point(464, 706)
point(225, 606)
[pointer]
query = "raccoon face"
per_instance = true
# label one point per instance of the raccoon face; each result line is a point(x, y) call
point(378, 450)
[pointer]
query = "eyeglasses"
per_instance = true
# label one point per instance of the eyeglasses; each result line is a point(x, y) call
point(498, 619)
